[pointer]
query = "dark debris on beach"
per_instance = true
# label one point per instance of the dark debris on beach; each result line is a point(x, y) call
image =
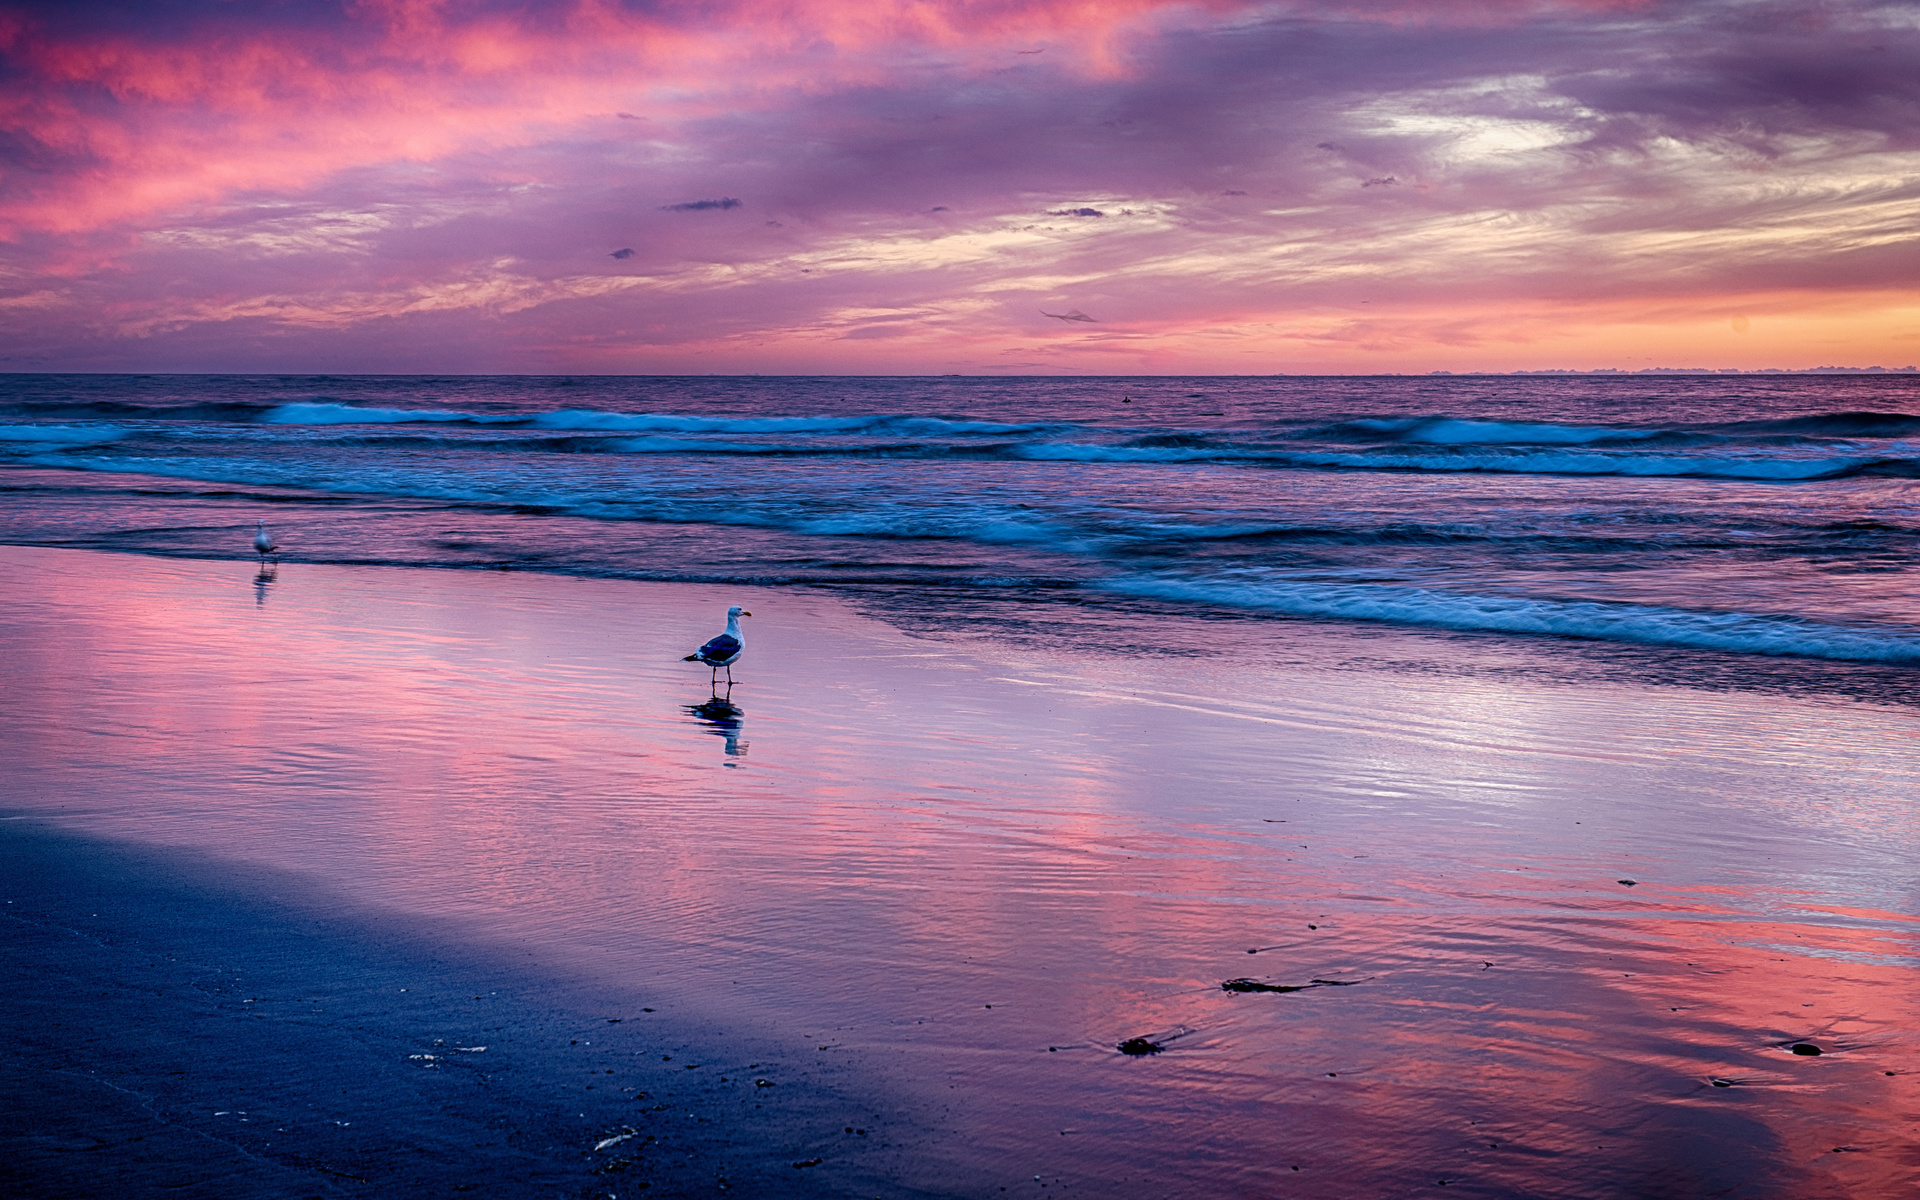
point(1255, 985)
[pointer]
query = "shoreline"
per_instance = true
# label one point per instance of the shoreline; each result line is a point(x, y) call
point(1372, 641)
point(925, 883)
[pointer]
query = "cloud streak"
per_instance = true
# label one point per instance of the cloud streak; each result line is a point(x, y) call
point(1232, 187)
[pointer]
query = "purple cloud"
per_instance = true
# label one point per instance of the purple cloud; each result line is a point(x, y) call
point(1529, 176)
point(701, 205)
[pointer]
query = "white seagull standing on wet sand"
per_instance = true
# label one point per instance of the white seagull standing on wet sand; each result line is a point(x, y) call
point(263, 542)
point(724, 649)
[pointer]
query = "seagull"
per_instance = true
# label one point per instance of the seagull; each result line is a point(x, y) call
point(723, 650)
point(263, 542)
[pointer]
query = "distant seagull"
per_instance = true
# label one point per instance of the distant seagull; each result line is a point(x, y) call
point(1072, 314)
point(263, 542)
point(623, 252)
point(724, 649)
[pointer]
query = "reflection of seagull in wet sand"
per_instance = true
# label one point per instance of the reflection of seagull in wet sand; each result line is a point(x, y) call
point(722, 717)
point(263, 542)
point(724, 649)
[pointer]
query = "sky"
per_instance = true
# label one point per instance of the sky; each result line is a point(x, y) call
point(973, 187)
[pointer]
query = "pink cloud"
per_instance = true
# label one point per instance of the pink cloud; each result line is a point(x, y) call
point(407, 183)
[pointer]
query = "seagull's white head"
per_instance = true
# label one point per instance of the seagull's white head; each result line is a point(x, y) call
point(737, 611)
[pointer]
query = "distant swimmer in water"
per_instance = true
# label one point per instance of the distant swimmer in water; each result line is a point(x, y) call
point(723, 649)
point(263, 543)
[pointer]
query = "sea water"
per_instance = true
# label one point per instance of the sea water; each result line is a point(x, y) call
point(1757, 515)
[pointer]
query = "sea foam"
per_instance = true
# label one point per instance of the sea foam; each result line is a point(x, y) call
point(597, 420)
point(350, 414)
point(1747, 633)
point(36, 438)
point(1458, 431)
point(1543, 462)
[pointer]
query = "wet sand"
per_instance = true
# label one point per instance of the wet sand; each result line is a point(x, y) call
point(178, 1025)
point(934, 876)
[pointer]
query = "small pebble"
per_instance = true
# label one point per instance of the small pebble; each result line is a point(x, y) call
point(1807, 1048)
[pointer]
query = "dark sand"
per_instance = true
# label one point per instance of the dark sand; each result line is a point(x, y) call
point(182, 1026)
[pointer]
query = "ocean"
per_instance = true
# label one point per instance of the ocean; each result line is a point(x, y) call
point(1748, 515)
point(1502, 784)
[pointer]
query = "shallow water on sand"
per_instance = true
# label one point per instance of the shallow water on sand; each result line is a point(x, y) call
point(976, 863)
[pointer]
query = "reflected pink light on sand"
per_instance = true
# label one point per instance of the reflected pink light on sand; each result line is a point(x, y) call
point(914, 839)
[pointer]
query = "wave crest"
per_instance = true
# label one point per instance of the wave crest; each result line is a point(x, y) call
point(48, 437)
point(1463, 431)
point(321, 413)
point(598, 420)
point(1746, 633)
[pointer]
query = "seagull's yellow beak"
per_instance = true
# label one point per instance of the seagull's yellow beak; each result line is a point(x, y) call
point(745, 613)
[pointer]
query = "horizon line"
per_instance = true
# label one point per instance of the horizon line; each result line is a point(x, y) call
point(1561, 372)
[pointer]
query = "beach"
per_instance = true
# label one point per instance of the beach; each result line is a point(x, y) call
point(1484, 917)
point(184, 1026)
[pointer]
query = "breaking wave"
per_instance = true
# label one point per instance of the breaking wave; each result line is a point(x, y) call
point(1821, 446)
point(583, 419)
point(880, 423)
point(1541, 462)
point(1457, 431)
point(1747, 633)
point(310, 413)
point(37, 438)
